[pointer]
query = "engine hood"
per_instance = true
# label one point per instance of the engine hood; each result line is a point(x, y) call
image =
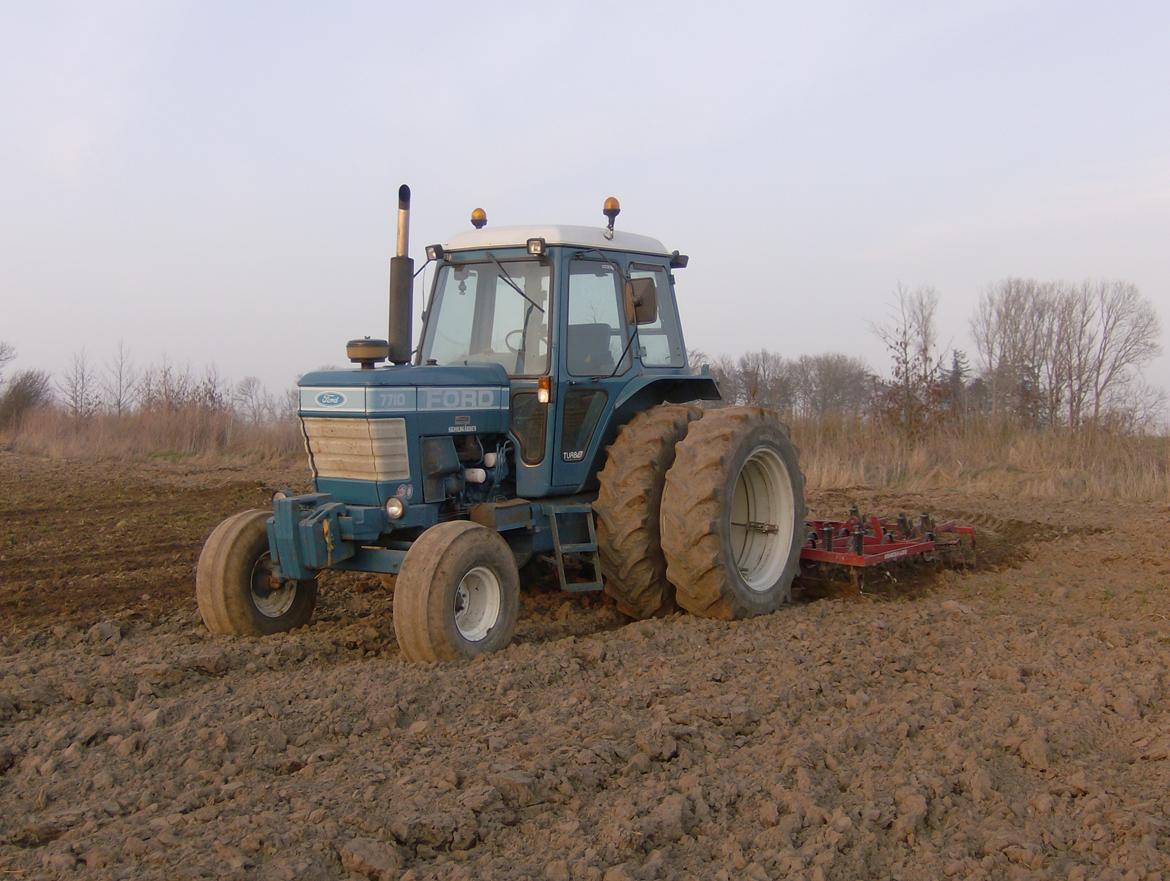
point(479, 388)
point(408, 376)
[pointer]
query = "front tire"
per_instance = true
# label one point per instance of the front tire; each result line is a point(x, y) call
point(733, 515)
point(235, 588)
point(458, 594)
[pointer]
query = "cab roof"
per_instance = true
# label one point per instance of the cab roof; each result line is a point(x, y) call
point(553, 234)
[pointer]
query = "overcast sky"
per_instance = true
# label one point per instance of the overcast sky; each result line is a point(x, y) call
point(216, 180)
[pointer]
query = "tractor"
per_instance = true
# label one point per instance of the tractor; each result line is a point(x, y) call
point(549, 410)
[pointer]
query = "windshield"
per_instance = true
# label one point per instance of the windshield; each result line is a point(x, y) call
point(490, 313)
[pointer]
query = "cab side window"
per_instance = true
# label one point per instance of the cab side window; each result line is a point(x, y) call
point(596, 325)
point(660, 343)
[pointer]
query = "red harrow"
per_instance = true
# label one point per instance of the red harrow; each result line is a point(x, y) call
point(863, 542)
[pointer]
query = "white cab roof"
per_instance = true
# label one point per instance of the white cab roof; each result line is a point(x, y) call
point(584, 236)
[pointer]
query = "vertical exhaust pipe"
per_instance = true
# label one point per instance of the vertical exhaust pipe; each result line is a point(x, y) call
point(401, 285)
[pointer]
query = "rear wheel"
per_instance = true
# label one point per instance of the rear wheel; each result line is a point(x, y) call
point(458, 594)
point(236, 585)
point(628, 507)
point(733, 514)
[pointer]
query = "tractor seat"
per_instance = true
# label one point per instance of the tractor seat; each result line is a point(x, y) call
point(589, 353)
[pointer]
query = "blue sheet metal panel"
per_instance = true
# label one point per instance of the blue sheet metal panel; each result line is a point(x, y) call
point(311, 532)
point(386, 560)
point(340, 400)
point(409, 375)
point(353, 492)
point(533, 480)
point(305, 535)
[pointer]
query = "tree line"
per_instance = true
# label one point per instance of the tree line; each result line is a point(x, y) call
point(1047, 355)
point(120, 387)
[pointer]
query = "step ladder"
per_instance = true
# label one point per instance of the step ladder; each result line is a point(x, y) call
point(585, 549)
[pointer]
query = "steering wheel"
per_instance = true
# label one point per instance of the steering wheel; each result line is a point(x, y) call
point(515, 350)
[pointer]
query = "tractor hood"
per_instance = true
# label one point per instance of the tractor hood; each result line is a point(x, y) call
point(471, 374)
point(368, 432)
point(399, 390)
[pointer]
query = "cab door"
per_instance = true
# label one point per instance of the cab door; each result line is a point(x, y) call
point(595, 358)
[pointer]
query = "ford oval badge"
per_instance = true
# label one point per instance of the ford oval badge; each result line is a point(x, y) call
point(330, 399)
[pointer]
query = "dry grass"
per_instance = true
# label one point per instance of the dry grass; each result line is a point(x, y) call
point(986, 458)
point(982, 458)
point(190, 432)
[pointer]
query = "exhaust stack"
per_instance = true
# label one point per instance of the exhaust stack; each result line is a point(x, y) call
point(401, 285)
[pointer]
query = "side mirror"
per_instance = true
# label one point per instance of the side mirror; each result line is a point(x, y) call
point(641, 301)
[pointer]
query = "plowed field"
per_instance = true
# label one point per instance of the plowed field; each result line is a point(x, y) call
point(1007, 722)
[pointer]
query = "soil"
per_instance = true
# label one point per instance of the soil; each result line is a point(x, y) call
point(1011, 721)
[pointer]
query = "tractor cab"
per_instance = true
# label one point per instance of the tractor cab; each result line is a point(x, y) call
point(583, 321)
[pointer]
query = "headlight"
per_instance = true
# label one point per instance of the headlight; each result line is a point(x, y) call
point(395, 508)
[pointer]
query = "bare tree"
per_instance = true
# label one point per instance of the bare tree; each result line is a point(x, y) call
point(7, 354)
point(766, 380)
point(831, 384)
point(120, 384)
point(1056, 354)
point(28, 390)
point(1127, 340)
point(1073, 351)
point(79, 388)
point(253, 401)
point(290, 404)
point(1014, 331)
point(910, 338)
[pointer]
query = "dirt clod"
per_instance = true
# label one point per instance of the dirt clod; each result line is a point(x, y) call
point(371, 859)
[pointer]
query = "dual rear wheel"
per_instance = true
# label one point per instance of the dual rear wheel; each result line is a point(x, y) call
point(703, 512)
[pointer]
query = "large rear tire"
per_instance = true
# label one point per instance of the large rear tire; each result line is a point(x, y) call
point(733, 514)
point(458, 594)
point(628, 506)
point(235, 588)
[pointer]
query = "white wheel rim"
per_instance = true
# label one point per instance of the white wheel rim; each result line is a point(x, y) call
point(477, 603)
point(270, 600)
point(761, 519)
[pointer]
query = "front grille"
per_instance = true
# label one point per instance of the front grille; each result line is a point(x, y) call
point(358, 449)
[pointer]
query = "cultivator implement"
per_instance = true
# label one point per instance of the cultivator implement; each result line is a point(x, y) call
point(865, 542)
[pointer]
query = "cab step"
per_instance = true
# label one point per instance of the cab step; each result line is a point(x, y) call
point(569, 517)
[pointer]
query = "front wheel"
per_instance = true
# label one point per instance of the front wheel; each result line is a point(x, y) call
point(236, 586)
point(458, 594)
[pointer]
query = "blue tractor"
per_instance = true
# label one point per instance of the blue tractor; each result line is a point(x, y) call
point(548, 411)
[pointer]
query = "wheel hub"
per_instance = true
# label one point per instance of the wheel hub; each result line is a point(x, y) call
point(271, 596)
point(477, 603)
point(761, 519)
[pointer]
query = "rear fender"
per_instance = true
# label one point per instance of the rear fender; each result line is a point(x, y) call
point(649, 391)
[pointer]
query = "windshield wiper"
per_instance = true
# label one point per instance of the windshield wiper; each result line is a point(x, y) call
point(621, 360)
point(509, 280)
